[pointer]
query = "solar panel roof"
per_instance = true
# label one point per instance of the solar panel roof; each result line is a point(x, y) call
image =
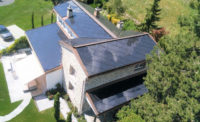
point(106, 56)
point(45, 43)
point(81, 23)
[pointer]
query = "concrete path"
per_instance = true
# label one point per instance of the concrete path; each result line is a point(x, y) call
point(15, 88)
point(64, 108)
point(43, 103)
point(6, 2)
point(18, 110)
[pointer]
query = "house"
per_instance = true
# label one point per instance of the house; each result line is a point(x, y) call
point(99, 70)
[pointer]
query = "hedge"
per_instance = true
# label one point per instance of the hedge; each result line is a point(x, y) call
point(18, 44)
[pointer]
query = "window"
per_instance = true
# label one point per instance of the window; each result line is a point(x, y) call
point(140, 66)
point(72, 70)
point(70, 86)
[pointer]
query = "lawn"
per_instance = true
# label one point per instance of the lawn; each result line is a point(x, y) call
point(5, 105)
point(20, 13)
point(31, 114)
point(171, 10)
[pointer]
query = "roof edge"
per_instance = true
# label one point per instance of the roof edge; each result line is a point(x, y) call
point(110, 40)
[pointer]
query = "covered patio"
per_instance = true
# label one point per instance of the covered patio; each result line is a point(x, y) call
point(112, 96)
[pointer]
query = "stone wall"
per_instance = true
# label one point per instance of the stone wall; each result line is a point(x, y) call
point(77, 80)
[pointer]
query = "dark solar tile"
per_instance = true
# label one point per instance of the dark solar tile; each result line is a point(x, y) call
point(81, 23)
point(45, 42)
point(110, 55)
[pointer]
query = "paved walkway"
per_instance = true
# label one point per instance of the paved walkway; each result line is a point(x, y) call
point(18, 110)
point(6, 2)
point(43, 103)
point(15, 88)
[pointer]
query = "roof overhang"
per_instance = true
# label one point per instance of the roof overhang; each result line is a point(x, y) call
point(102, 100)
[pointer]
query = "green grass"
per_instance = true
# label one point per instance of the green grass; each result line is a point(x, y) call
point(20, 12)
point(31, 114)
point(171, 10)
point(5, 105)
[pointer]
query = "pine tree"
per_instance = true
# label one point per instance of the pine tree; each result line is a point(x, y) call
point(32, 20)
point(52, 18)
point(42, 21)
point(197, 21)
point(57, 106)
point(152, 17)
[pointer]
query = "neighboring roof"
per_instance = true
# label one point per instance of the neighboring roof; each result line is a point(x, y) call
point(109, 55)
point(28, 69)
point(45, 43)
point(81, 23)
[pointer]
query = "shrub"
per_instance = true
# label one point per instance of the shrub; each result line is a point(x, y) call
point(159, 33)
point(185, 21)
point(109, 17)
point(129, 25)
point(53, 91)
point(57, 106)
point(114, 20)
point(18, 44)
point(69, 117)
point(194, 4)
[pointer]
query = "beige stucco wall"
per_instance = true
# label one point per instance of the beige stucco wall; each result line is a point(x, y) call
point(77, 80)
point(53, 78)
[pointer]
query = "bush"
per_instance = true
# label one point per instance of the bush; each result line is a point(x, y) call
point(53, 91)
point(185, 21)
point(69, 117)
point(129, 25)
point(18, 44)
point(114, 20)
point(194, 4)
point(57, 106)
point(159, 33)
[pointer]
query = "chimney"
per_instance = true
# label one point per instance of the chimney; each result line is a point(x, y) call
point(69, 12)
point(97, 12)
point(120, 24)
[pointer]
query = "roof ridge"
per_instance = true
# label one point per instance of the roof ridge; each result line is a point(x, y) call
point(95, 19)
point(110, 40)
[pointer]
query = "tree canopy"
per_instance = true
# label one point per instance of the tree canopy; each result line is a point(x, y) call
point(173, 81)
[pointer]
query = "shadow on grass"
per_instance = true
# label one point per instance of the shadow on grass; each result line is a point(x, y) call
point(61, 120)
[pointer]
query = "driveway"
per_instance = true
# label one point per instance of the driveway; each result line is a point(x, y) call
point(16, 32)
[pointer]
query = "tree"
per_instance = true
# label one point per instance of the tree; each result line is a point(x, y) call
point(42, 21)
point(52, 18)
point(32, 20)
point(197, 21)
point(57, 106)
point(173, 81)
point(152, 17)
